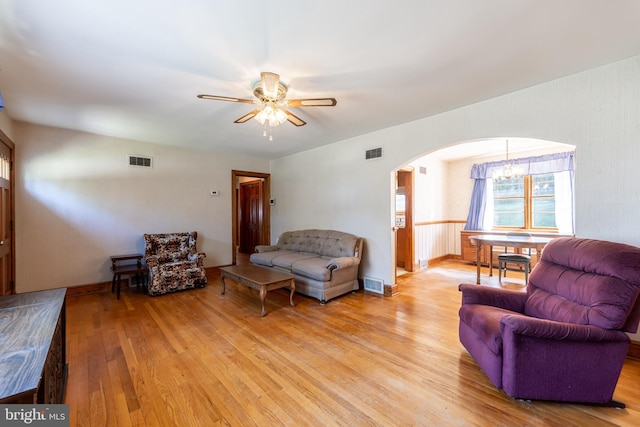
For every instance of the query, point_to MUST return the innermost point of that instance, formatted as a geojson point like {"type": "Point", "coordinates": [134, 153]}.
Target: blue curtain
{"type": "Point", "coordinates": [548, 163]}
{"type": "Point", "coordinates": [475, 219]}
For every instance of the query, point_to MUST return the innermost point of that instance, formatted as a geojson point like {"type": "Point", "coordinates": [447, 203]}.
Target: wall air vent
{"type": "Point", "coordinates": [374, 153]}
{"type": "Point", "coordinates": [139, 161]}
{"type": "Point", "coordinates": [374, 285]}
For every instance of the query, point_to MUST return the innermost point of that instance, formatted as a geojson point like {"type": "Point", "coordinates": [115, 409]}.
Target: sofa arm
{"type": "Point", "coordinates": [495, 297]}
{"type": "Point", "coordinates": [342, 262]}
{"type": "Point", "coordinates": [515, 324]}
{"type": "Point", "coordinates": [199, 258]}
{"type": "Point", "coordinates": [152, 260]}
{"type": "Point", "coordinates": [266, 248]}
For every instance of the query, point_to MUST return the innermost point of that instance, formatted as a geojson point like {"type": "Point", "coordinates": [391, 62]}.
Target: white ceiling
{"type": "Point", "coordinates": [132, 68]}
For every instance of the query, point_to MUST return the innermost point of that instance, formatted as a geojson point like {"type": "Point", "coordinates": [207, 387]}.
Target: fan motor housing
{"type": "Point", "coordinates": [258, 92]}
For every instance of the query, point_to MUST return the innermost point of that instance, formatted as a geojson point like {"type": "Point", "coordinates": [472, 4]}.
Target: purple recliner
{"type": "Point", "coordinates": [564, 339]}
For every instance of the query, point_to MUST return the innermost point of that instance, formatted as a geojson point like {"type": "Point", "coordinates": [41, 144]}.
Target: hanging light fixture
{"type": "Point", "coordinates": [271, 91]}
{"type": "Point", "coordinates": [509, 171]}
{"type": "Point", "coordinates": [270, 116]}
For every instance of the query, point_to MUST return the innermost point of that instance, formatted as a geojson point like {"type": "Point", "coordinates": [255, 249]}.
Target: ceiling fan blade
{"type": "Point", "coordinates": [247, 117]}
{"type": "Point", "coordinates": [294, 119]}
{"type": "Point", "coordinates": [316, 102]}
{"type": "Point", "coordinates": [226, 98]}
{"type": "Point", "coordinates": [270, 84]}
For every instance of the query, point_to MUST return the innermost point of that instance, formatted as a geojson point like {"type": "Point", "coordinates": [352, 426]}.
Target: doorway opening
{"type": "Point", "coordinates": [250, 212]}
{"type": "Point", "coordinates": [404, 221]}
{"type": "Point", "coordinates": [439, 193]}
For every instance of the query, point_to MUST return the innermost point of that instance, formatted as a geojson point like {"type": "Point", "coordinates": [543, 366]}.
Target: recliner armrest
{"type": "Point", "coordinates": [266, 248]}
{"type": "Point", "coordinates": [342, 262]}
{"type": "Point", "coordinates": [495, 297]}
{"type": "Point", "coordinates": [548, 329]}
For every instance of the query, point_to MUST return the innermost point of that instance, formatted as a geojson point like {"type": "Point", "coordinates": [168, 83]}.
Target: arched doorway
{"type": "Point", "coordinates": [442, 190]}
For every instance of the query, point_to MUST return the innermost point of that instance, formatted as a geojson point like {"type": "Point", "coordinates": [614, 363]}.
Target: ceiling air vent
{"type": "Point", "coordinates": [374, 153]}
{"type": "Point", "coordinates": [140, 161]}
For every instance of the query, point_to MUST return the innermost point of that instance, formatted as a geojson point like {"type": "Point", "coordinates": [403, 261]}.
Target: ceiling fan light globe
{"type": "Point", "coordinates": [280, 116]}
{"type": "Point", "coordinates": [262, 116]}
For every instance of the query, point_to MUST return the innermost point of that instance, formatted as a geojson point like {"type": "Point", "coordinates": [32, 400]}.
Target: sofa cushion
{"type": "Point", "coordinates": [266, 258]}
{"type": "Point", "coordinates": [286, 261]}
{"type": "Point", "coordinates": [327, 243]}
{"type": "Point", "coordinates": [313, 268]}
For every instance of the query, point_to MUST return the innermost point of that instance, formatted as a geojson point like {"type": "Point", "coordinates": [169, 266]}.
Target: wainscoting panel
{"type": "Point", "coordinates": [437, 239]}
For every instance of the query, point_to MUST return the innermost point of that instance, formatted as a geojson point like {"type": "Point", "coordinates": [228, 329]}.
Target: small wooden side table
{"type": "Point", "coordinates": [138, 270]}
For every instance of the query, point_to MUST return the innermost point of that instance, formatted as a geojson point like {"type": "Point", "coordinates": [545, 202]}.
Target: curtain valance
{"type": "Point", "coordinates": [547, 163]}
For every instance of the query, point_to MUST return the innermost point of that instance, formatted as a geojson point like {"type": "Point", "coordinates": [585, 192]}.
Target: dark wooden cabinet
{"type": "Point", "coordinates": [470, 251]}
{"type": "Point", "coordinates": [33, 363]}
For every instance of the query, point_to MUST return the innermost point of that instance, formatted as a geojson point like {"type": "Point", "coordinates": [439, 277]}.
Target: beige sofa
{"type": "Point", "coordinates": [324, 262]}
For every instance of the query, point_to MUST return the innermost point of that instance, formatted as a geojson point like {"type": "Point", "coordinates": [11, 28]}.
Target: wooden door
{"type": "Point", "coordinates": [7, 277]}
{"type": "Point", "coordinates": [404, 220]}
{"type": "Point", "coordinates": [250, 216]}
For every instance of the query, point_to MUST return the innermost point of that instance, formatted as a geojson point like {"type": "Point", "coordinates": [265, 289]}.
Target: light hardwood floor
{"type": "Point", "coordinates": [198, 358]}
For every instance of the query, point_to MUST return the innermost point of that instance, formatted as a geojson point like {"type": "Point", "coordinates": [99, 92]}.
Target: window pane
{"type": "Point", "coordinates": [545, 220]}
{"type": "Point", "coordinates": [509, 212]}
{"type": "Point", "coordinates": [508, 204]}
{"type": "Point", "coordinates": [513, 187]}
{"type": "Point", "coordinates": [544, 212]}
{"type": "Point", "coordinates": [509, 220]}
{"type": "Point", "coordinates": [543, 185]}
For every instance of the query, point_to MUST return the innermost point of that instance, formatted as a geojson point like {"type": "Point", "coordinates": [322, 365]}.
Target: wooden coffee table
{"type": "Point", "coordinates": [259, 278]}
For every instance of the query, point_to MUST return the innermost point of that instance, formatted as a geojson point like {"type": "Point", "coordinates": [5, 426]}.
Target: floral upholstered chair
{"type": "Point", "coordinates": [174, 264]}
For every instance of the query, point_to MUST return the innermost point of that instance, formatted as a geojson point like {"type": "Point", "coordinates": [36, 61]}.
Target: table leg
{"type": "Point", "coordinates": [263, 296]}
{"type": "Point", "coordinates": [293, 289]}
{"type": "Point", "coordinates": [224, 285]}
{"type": "Point", "coordinates": [478, 252]}
{"type": "Point", "coordinates": [490, 260]}
{"type": "Point", "coordinates": [118, 286]}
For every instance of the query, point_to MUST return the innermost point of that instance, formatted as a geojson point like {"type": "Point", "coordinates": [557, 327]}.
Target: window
{"type": "Point", "coordinates": [540, 201]}
{"type": "Point", "coordinates": [526, 202]}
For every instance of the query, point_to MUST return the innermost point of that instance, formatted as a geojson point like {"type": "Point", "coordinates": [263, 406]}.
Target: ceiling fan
{"type": "Point", "coordinates": [270, 92]}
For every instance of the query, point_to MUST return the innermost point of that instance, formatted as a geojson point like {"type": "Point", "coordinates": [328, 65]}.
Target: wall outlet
{"type": "Point", "coordinates": [214, 193]}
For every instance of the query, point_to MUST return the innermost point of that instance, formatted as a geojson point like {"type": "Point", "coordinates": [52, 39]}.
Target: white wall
{"type": "Point", "coordinates": [597, 111]}
{"type": "Point", "coordinates": [78, 202]}
{"type": "Point", "coordinates": [430, 192]}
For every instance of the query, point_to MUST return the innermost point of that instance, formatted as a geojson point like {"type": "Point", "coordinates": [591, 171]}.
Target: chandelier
{"type": "Point", "coordinates": [509, 171]}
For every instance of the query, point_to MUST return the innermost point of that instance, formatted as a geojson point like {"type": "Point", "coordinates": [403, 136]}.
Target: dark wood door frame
{"type": "Point", "coordinates": [405, 178]}
{"type": "Point", "coordinates": [266, 195]}
{"type": "Point", "coordinates": [8, 239]}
